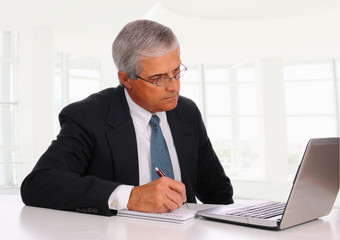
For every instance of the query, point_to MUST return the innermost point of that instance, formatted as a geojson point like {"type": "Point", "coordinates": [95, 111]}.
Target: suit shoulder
{"type": "Point", "coordinates": [186, 110]}
{"type": "Point", "coordinates": [186, 104]}
{"type": "Point", "coordinates": [92, 108]}
{"type": "Point", "coordinates": [95, 101]}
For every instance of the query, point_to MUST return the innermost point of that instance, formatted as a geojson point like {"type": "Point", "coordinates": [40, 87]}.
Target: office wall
{"type": "Point", "coordinates": [216, 40]}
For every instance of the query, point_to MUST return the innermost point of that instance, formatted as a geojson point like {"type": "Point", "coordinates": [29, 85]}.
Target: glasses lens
{"type": "Point", "coordinates": [181, 73]}
{"type": "Point", "coordinates": [163, 82]}
{"type": "Point", "coordinates": [166, 81]}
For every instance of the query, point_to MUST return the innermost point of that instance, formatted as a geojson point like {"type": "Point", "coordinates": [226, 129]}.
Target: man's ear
{"type": "Point", "coordinates": [124, 79]}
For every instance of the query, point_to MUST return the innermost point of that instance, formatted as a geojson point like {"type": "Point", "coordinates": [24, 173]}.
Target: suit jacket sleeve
{"type": "Point", "coordinates": [76, 173]}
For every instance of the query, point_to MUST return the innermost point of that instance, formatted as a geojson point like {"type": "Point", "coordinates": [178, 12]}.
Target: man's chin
{"type": "Point", "coordinates": [170, 106]}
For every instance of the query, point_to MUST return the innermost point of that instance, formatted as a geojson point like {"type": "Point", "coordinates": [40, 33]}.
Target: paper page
{"type": "Point", "coordinates": [178, 216]}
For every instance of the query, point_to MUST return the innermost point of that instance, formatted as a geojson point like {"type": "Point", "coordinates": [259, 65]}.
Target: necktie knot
{"type": "Point", "coordinates": [154, 121]}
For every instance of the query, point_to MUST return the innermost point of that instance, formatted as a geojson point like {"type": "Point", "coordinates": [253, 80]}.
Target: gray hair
{"type": "Point", "coordinates": [141, 39]}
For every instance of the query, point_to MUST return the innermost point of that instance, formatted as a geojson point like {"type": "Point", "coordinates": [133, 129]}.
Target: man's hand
{"type": "Point", "coordinates": [161, 195]}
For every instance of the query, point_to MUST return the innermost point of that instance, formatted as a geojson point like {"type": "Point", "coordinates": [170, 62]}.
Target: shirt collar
{"type": "Point", "coordinates": [140, 116]}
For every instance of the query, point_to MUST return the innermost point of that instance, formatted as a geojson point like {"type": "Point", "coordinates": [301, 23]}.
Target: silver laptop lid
{"type": "Point", "coordinates": [316, 184]}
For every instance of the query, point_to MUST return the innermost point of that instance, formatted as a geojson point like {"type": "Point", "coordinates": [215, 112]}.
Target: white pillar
{"type": "Point", "coordinates": [272, 110]}
{"type": "Point", "coordinates": [35, 95]}
{"type": "Point", "coordinates": [42, 89]}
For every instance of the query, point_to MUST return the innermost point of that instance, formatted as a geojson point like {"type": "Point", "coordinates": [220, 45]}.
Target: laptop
{"type": "Point", "coordinates": [313, 193]}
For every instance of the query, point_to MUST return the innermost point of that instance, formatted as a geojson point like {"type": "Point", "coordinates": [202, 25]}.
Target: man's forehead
{"type": "Point", "coordinates": [162, 64]}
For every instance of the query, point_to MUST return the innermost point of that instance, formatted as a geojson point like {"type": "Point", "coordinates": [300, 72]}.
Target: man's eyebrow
{"type": "Point", "coordinates": [157, 75]}
{"type": "Point", "coordinates": [162, 74]}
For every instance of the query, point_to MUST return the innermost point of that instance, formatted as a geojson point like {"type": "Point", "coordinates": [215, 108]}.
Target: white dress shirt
{"type": "Point", "coordinates": [141, 117]}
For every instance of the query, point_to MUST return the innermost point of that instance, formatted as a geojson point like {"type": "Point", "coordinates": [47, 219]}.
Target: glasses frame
{"type": "Point", "coordinates": [176, 76]}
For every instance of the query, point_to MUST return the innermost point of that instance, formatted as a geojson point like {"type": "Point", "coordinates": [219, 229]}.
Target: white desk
{"type": "Point", "coordinates": [22, 222]}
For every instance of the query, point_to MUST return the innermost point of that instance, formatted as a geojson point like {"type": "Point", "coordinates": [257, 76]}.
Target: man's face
{"type": "Point", "coordinates": [149, 96]}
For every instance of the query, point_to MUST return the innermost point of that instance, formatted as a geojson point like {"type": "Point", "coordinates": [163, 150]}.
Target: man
{"type": "Point", "coordinates": [101, 161]}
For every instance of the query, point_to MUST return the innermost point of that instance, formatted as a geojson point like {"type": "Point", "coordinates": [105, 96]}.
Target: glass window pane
{"type": "Point", "coordinates": [308, 71]}
{"type": "Point", "coordinates": [310, 97]}
{"type": "Point", "coordinates": [296, 149]}
{"type": "Point", "coordinates": [246, 74]}
{"type": "Point", "coordinates": [1, 43]}
{"type": "Point", "coordinates": [191, 86]}
{"type": "Point", "coordinates": [58, 92]}
{"type": "Point", "coordinates": [57, 63]}
{"type": "Point", "coordinates": [5, 174]}
{"type": "Point", "coordinates": [8, 112]}
{"type": "Point", "coordinates": [301, 129]}
{"type": "Point", "coordinates": [247, 99]}
{"type": "Point", "coordinates": [249, 129]}
{"type": "Point", "coordinates": [219, 128]}
{"type": "Point", "coordinates": [249, 148]}
{"type": "Point", "coordinates": [7, 143]}
{"type": "Point", "coordinates": [194, 92]}
{"type": "Point", "coordinates": [219, 131]}
{"type": "Point", "coordinates": [6, 82]}
{"type": "Point", "coordinates": [338, 82]}
{"type": "Point", "coordinates": [80, 88]}
{"type": "Point", "coordinates": [7, 124]}
{"type": "Point", "coordinates": [11, 174]}
{"type": "Point", "coordinates": [216, 75]}
{"type": "Point", "coordinates": [191, 75]}
{"type": "Point", "coordinates": [6, 47]}
{"type": "Point", "coordinates": [58, 100]}
{"type": "Point", "coordinates": [217, 99]}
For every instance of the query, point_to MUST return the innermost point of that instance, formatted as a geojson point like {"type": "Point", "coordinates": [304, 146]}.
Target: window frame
{"type": "Point", "coordinates": [11, 162]}
{"type": "Point", "coordinates": [65, 74]}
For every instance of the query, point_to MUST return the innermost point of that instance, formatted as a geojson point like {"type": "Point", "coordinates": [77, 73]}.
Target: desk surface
{"type": "Point", "coordinates": [18, 221]}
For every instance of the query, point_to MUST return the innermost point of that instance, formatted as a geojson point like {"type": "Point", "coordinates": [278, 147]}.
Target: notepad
{"type": "Point", "coordinates": [176, 216]}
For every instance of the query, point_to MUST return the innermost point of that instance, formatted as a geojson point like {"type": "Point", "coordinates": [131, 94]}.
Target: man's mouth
{"type": "Point", "coordinates": [171, 97]}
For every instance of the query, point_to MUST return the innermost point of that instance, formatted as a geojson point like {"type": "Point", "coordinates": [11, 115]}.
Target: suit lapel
{"type": "Point", "coordinates": [123, 143]}
{"type": "Point", "coordinates": [122, 140]}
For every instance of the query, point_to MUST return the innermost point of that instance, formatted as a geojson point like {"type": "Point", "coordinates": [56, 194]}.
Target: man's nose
{"type": "Point", "coordinates": [174, 84]}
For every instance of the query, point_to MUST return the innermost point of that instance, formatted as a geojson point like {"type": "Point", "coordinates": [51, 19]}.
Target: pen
{"type": "Point", "coordinates": [161, 174]}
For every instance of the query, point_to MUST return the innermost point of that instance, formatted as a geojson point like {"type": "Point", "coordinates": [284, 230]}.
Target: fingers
{"type": "Point", "coordinates": [161, 195]}
{"type": "Point", "coordinates": [176, 193]}
{"type": "Point", "coordinates": [178, 187]}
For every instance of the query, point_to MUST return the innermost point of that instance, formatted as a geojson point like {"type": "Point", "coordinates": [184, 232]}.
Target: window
{"type": "Point", "coordinates": [227, 98]}
{"type": "Point", "coordinates": [192, 86]}
{"type": "Point", "coordinates": [260, 116]}
{"type": "Point", "coordinates": [9, 164]}
{"type": "Point", "coordinates": [75, 78]}
{"type": "Point", "coordinates": [311, 105]}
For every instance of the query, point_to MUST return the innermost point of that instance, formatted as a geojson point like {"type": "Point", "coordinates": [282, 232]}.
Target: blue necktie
{"type": "Point", "coordinates": [159, 151]}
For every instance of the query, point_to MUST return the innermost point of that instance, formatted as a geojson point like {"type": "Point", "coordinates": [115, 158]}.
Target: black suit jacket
{"type": "Point", "coordinates": [96, 151]}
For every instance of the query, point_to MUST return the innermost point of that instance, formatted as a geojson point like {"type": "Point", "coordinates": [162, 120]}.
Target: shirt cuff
{"type": "Point", "coordinates": [119, 198]}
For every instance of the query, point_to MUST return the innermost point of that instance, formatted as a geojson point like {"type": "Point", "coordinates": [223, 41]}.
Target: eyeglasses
{"type": "Point", "coordinates": [162, 81]}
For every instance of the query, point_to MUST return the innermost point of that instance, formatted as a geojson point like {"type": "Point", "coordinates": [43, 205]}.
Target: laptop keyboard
{"type": "Point", "coordinates": [263, 211]}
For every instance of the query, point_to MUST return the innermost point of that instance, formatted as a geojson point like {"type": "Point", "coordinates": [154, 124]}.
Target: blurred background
{"type": "Point", "coordinates": [265, 75]}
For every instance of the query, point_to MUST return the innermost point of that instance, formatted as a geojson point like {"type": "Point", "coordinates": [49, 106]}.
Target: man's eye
{"type": "Point", "coordinates": [157, 78]}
